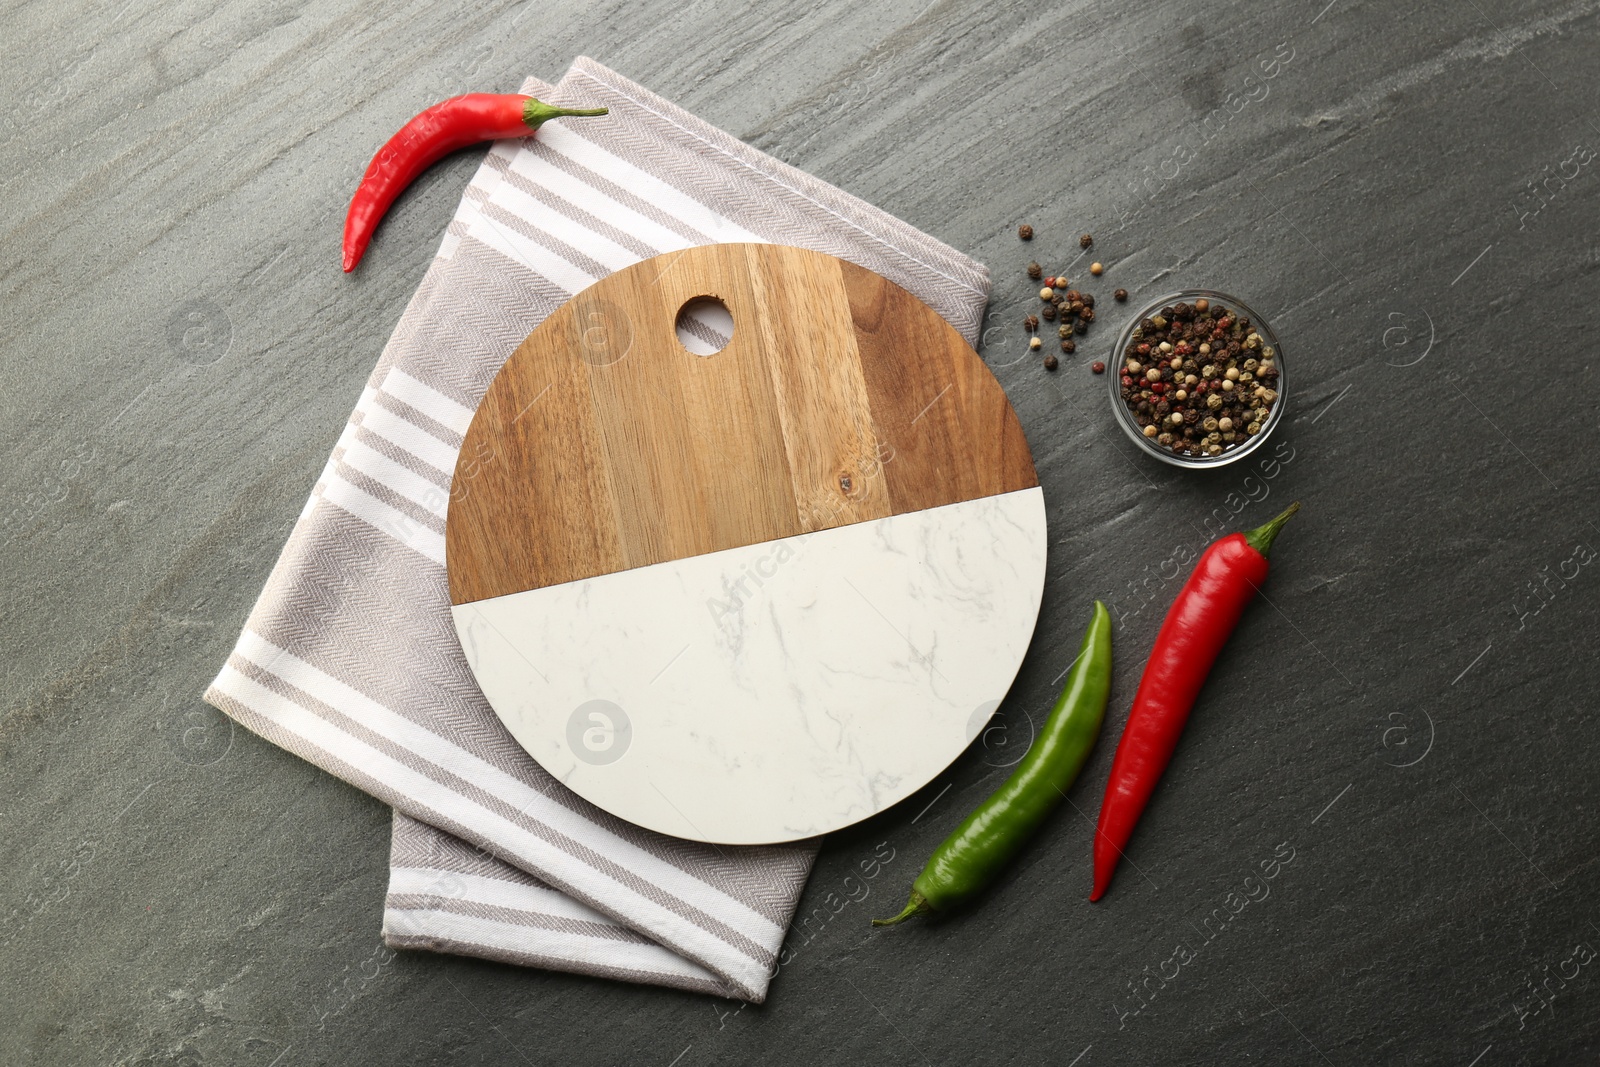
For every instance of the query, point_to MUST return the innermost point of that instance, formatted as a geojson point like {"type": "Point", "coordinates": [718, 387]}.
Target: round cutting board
{"type": "Point", "coordinates": [751, 596]}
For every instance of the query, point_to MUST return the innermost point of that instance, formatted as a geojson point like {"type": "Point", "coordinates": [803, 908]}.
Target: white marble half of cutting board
{"type": "Point", "coordinates": [777, 690]}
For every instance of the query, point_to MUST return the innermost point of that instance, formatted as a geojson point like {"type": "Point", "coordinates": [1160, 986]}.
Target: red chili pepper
{"type": "Point", "coordinates": [1196, 627]}
{"type": "Point", "coordinates": [438, 131]}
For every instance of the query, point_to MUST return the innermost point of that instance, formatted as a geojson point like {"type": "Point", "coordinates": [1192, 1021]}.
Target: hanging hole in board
{"type": "Point", "coordinates": [705, 326]}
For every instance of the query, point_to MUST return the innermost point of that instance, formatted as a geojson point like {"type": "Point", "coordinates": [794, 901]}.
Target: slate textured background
{"type": "Point", "coordinates": [1411, 199]}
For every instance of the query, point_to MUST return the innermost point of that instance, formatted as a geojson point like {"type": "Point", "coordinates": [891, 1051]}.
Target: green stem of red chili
{"type": "Point", "coordinates": [441, 129]}
{"type": "Point", "coordinates": [1261, 537]}
{"type": "Point", "coordinates": [1199, 623]}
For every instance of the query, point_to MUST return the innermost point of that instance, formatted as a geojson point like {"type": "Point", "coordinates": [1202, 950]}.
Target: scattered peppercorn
{"type": "Point", "coordinates": [1035, 344]}
{"type": "Point", "coordinates": [1074, 309]}
{"type": "Point", "coordinates": [1121, 296]}
{"type": "Point", "coordinates": [1212, 385]}
{"type": "Point", "coordinates": [1097, 367]}
{"type": "Point", "coordinates": [1051, 362]}
{"type": "Point", "coordinates": [1096, 269]}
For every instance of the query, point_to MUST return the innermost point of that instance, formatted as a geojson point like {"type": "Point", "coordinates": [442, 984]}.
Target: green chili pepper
{"type": "Point", "coordinates": [986, 841]}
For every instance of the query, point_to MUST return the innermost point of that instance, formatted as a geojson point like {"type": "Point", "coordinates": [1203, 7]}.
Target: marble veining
{"type": "Point", "coordinates": [775, 691]}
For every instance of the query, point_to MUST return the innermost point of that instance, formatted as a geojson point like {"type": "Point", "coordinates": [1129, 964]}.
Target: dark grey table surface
{"type": "Point", "coordinates": [1409, 193]}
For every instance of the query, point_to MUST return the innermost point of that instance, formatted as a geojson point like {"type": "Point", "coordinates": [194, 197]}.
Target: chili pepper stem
{"type": "Point", "coordinates": [917, 905]}
{"type": "Point", "coordinates": [536, 112]}
{"type": "Point", "coordinates": [1261, 537]}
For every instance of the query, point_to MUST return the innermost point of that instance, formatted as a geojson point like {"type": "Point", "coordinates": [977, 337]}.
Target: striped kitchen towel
{"type": "Point", "coordinates": [349, 658]}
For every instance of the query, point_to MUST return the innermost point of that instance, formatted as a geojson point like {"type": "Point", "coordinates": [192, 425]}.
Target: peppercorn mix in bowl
{"type": "Point", "coordinates": [1199, 379]}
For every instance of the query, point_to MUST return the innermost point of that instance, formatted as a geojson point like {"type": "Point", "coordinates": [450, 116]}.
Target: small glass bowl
{"type": "Point", "coordinates": [1124, 416]}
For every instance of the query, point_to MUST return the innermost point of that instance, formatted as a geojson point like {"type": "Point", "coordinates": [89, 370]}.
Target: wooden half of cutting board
{"type": "Point", "coordinates": [604, 445]}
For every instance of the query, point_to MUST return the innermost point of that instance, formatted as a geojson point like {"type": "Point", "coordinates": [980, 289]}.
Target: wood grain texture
{"type": "Point", "coordinates": [603, 444]}
{"type": "Point", "coordinates": [947, 432]}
